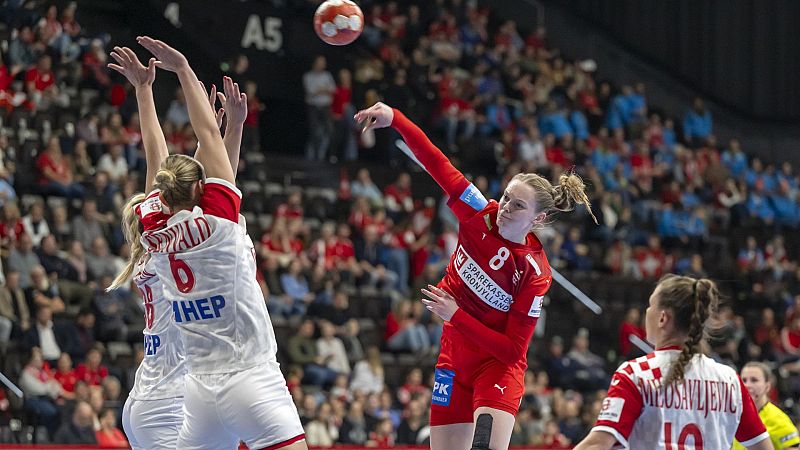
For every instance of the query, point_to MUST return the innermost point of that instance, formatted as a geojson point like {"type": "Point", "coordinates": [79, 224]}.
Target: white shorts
{"type": "Point", "coordinates": [152, 424]}
{"type": "Point", "coordinates": [253, 405]}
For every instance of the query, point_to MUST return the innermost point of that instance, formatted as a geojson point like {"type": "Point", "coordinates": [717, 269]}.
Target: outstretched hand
{"type": "Point", "coordinates": [167, 57]}
{"type": "Point", "coordinates": [212, 101]}
{"type": "Point", "coordinates": [130, 66]}
{"type": "Point", "coordinates": [441, 302]}
{"type": "Point", "coordinates": [233, 101]}
{"type": "Point", "coordinates": [379, 115]}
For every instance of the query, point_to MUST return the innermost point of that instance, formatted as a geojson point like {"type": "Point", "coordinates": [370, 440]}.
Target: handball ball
{"type": "Point", "coordinates": [338, 22]}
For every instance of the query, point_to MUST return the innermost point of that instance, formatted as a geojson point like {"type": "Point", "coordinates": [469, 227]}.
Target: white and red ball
{"type": "Point", "coordinates": [338, 22]}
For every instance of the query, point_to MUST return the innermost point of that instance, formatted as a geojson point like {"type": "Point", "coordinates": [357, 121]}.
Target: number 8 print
{"type": "Point", "coordinates": [499, 259]}
{"type": "Point", "coordinates": [181, 270]}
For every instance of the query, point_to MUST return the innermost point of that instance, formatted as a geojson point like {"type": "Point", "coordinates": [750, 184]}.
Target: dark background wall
{"type": "Point", "coordinates": [742, 53]}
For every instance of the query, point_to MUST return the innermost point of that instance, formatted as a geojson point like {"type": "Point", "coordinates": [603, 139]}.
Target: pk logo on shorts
{"type": "Point", "coordinates": [442, 387]}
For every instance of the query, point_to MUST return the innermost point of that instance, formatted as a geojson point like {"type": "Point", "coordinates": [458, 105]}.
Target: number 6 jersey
{"type": "Point", "coordinates": [206, 262]}
{"type": "Point", "coordinates": [706, 409]}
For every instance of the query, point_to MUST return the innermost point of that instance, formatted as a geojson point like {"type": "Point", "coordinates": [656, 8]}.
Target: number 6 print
{"type": "Point", "coordinates": [182, 273]}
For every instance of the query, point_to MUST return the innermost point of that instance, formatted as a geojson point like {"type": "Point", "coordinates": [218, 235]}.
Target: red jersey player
{"type": "Point", "coordinates": [491, 295]}
{"type": "Point", "coordinates": [675, 395]}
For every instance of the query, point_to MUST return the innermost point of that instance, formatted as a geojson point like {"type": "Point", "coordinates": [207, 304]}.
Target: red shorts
{"type": "Point", "coordinates": [467, 378]}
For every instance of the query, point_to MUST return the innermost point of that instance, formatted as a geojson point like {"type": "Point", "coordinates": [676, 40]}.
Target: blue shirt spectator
{"type": "Point", "coordinates": [734, 159]}
{"type": "Point", "coordinates": [697, 122]}
{"type": "Point", "coordinates": [580, 125]}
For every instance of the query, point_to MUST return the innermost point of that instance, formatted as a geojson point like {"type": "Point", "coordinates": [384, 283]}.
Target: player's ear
{"type": "Point", "coordinates": [538, 219]}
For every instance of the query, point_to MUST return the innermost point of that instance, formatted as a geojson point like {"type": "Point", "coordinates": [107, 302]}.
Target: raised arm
{"type": "Point", "coordinates": [426, 154]}
{"type": "Point", "coordinates": [234, 103]}
{"type": "Point", "coordinates": [213, 158]}
{"type": "Point", "coordinates": [141, 77]}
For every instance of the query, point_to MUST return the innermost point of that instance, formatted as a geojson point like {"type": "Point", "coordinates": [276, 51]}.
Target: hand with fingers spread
{"type": "Point", "coordinates": [379, 115]}
{"type": "Point", "coordinates": [129, 66]}
{"type": "Point", "coordinates": [167, 57]}
{"type": "Point", "coordinates": [441, 302]}
{"type": "Point", "coordinates": [212, 100]}
{"type": "Point", "coordinates": [233, 101]}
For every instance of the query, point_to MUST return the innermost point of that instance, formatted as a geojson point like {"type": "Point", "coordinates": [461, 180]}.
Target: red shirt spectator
{"type": "Point", "coordinates": [630, 327]}
{"type": "Point", "coordinates": [40, 79]}
{"type": "Point", "coordinates": [52, 166]}
{"type": "Point", "coordinates": [92, 372]}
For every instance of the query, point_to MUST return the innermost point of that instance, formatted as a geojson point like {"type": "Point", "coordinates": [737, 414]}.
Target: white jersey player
{"type": "Point", "coordinates": [234, 388]}
{"type": "Point", "coordinates": [676, 397]}
{"type": "Point", "coordinates": [153, 412]}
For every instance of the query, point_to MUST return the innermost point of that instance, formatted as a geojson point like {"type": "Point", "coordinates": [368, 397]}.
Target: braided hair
{"type": "Point", "coordinates": [692, 301]}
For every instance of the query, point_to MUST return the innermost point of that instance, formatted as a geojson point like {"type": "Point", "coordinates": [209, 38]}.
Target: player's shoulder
{"type": "Point", "coordinates": [484, 219]}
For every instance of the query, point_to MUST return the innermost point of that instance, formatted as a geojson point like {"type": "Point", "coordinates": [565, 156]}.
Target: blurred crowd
{"type": "Point", "coordinates": [341, 273]}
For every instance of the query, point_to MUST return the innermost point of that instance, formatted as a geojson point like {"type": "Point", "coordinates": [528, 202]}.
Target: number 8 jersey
{"type": "Point", "coordinates": [160, 375]}
{"type": "Point", "coordinates": [206, 262]}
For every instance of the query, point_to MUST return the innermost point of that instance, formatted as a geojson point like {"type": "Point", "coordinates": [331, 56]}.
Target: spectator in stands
{"type": "Point", "coordinates": [319, 88]}
{"type": "Point", "coordinates": [178, 114]}
{"type": "Point", "coordinates": [322, 431]}
{"type": "Point", "coordinates": [403, 332]}
{"type": "Point", "coordinates": [55, 175]}
{"type": "Point", "coordinates": [331, 349]}
{"type": "Point", "coordinates": [24, 50]}
{"type": "Point", "coordinates": [65, 375]}
{"type": "Point", "coordinates": [251, 139]}
{"type": "Point", "coordinates": [363, 186]}
{"type": "Point", "coordinates": [398, 200]}
{"type": "Point", "coordinates": [100, 261]}
{"type": "Point", "coordinates": [88, 226]}
{"type": "Point", "coordinates": [119, 317]}
{"type": "Point", "coordinates": [41, 87]}
{"type": "Point", "coordinates": [14, 311]}
{"type": "Point", "coordinates": [790, 339]}
{"type": "Point", "coordinates": [295, 286]}
{"type": "Point", "coordinates": [356, 426]}
{"type": "Point", "coordinates": [302, 350]}
{"type": "Point", "coordinates": [349, 335]}
{"type": "Point", "coordinates": [631, 326]}
{"type": "Point", "coordinates": [113, 163]}
{"type": "Point", "coordinates": [35, 224]}
{"type": "Point", "coordinates": [41, 390]}
{"type": "Point", "coordinates": [79, 429]}
{"type": "Point", "coordinates": [43, 291]}
{"type": "Point", "coordinates": [590, 368]}
{"type": "Point", "coordinates": [697, 124]}
{"type": "Point", "coordinates": [414, 421]}
{"type": "Point", "coordinates": [368, 374]}
{"type": "Point", "coordinates": [92, 372]}
{"type": "Point", "coordinates": [109, 435]}
{"type": "Point", "coordinates": [371, 255]}
{"type": "Point", "coordinates": [49, 337]}
{"type": "Point", "coordinates": [12, 226]}
{"type": "Point", "coordinates": [412, 388]}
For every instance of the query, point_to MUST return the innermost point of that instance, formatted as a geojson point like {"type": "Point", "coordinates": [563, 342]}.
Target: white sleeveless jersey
{"type": "Point", "coordinates": [206, 262]}
{"type": "Point", "coordinates": [161, 373]}
{"type": "Point", "coordinates": [706, 410]}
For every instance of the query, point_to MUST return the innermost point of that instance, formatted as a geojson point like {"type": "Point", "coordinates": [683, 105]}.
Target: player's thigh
{"type": "Point", "coordinates": [202, 428]}
{"type": "Point", "coordinates": [456, 436]}
{"type": "Point", "coordinates": [502, 426]}
{"type": "Point", "coordinates": [257, 407]}
{"type": "Point", "coordinates": [127, 427]}
{"type": "Point", "coordinates": [156, 423]}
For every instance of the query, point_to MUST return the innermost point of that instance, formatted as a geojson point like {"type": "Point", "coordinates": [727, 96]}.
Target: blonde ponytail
{"type": "Point", "coordinates": [131, 226]}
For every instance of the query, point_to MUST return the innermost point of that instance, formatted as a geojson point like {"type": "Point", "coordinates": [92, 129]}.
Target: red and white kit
{"type": "Point", "coordinates": [234, 387]}
{"type": "Point", "coordinates": [499, 286]}
{"type": "Point", "coordinates": [707, 409]}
